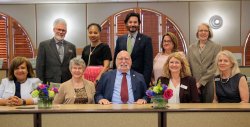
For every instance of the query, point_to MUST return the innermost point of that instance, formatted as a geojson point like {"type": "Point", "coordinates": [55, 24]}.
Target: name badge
{"type": "Point", "coordinates": [183, 87]}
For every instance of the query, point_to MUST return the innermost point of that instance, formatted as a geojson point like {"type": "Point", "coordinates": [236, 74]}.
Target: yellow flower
{"type": "Point", "coordinates": [51, 93]}
{"type": "Point", "coordinates": [35, 93]}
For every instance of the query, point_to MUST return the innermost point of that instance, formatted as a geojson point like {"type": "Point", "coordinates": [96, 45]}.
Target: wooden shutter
{"type": "Point", "coordinates": [247, 51]}
{"type": "Point", "coordinates": [3, 40]}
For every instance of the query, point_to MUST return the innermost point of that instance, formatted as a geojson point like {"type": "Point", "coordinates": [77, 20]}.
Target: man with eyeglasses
{"type": "Point", "coordinates": [121, 85]}
{"type": "Point", "coordinates": [52, 64]}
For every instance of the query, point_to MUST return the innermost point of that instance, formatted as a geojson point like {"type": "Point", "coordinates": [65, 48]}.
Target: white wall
{"type": "Point", "coordinates": [229, 33]}
{"type": "Point", "coordinates": [74, 14]}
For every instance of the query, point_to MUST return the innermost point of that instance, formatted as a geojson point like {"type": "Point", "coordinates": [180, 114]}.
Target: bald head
{"type": "Point", "coordinates": [123, 61]}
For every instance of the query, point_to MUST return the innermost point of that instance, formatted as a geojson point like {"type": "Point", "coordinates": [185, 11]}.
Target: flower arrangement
{"type": "Point", "coordinates": [160, 89]}
{"type": "Point", "coordinates": [43, 90]}
{"type": "Point", "coordinates": [45, 95]}
{"type": "Point", "coordinates": [159, 94]}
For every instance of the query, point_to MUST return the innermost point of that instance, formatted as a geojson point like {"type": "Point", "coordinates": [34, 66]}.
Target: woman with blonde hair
{"type": "Point", "coordinates": [177, 75]}
{"type": "Point", "coordinates": [169, 44]}
{"type": "Point", "coordinates": [230, 85]}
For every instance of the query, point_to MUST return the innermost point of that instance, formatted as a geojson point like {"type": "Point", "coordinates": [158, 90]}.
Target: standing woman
{"type": "Point", "coordinates": [177, 76]}
{"type": "Point", "coordinates": [201, 56]}
{"type": "Point", "coordinates": [230, 85]}
{"type": "Point", "coordinates": [97, 55]}
{"type": "Point", "coordinates": [16, 89]}
{"type": "Point", "coordinates": [169, 44]}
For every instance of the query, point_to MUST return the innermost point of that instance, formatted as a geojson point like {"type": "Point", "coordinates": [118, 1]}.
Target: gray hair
{"type": "Point", "coordinates": [230, 56]}
{"type": "Point", "coordinates": [59, 20]}
{"type": "Point", "coordinates": [77, 61]}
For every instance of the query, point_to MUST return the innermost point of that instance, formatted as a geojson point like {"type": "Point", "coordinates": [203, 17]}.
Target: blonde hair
{"type": "Point", "coordinates": [230, 56]}
{"type": "Point", "coordinates": [185, 70]}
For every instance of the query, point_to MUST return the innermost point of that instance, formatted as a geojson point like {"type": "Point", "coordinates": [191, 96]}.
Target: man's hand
{"type": "Point", "coordinates": [104, 102]}
{"type": "Point", "coordinates": [141, 101]}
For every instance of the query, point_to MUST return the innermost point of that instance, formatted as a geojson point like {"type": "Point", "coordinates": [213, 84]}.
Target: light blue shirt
{"type": "Point", "coordinates": [116, 98]}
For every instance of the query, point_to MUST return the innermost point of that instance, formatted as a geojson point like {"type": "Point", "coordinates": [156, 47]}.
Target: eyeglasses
{"type": "Point", "coordinates": [168, 41]}
{"type": "Point", "coordinates": [61, 30]}
{"type": "Point", "coordinates": [123, 58]}
{"type": "Point", "coordinates": [203, 31]}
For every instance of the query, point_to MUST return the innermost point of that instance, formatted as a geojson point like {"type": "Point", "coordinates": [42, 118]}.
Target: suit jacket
{"type": "Point", "coordinates": [49, 68]}
{"type": "Point", "coordinates": [105, 86]}
{"type": "Point", "coordinates": [66, 93]}
{"type": "Point", "coordinates": [189, 95]}
{"type": "Point", "coordinates": [202, 67]}
{"type": "Point", "coordinates": [142, 54]}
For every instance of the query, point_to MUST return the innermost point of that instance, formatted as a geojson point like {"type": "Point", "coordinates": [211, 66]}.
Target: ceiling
{"type": "Point", "coordinates": [84, 1]}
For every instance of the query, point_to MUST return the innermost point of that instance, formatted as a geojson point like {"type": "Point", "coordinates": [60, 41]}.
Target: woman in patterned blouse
{"type": "Point", "coordinates": [77, 90]}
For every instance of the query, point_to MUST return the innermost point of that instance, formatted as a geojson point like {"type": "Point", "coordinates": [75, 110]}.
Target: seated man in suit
{"type": "Point", "coordinates": [122, 85]}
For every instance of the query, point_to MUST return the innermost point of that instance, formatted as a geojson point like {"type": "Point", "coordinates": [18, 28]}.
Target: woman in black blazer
{"type": "Point", "coordinates": [177, 76]}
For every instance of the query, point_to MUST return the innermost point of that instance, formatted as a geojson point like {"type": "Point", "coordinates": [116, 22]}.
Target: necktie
{"type": "Point", "coordinates": [124, 89]}
{"type": "Point", "coordinates": [60, 50]}
{"type": "Point", "coordinates": [129, 44]}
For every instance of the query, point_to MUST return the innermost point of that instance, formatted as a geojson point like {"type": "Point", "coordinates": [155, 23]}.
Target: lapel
{"type": "Point", "coordinates": [137, 42]}
{"type": "Point", "coordinates": [111, 83]}
{"type": "Point", "coordinates": [54, 49]}
{"type": "Point", "coordinates": [196, 52]}
{"type": "Point", "coordinates": [133, 80]}
{"type": "Point", "coordinates": [66, 49]}
{"type": "Point", "coordinates": [206, 51]}
{"type": "Point", "coordinates": [181, 89]}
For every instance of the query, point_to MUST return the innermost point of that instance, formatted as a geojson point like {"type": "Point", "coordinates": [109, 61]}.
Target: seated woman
{"type": "Point", "coordinates": [230, 85]}
{"type": "Point", "coordinates": [16, 89]}
{"type": "Point", "coordinates": [77, 90]}
{"type": "Point", "coordinates": [177, 75]}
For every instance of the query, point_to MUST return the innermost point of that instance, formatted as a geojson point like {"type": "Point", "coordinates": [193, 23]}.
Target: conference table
{"type": "Point", "coordinates": [127, 115]}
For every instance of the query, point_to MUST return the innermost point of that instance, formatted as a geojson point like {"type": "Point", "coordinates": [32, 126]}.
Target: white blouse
{"type": "Point", "coordinates": [176, 90]}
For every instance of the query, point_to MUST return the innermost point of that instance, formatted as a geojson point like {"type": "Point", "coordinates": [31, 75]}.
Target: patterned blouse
{"type": "Point", "coordinates": [81, 96]}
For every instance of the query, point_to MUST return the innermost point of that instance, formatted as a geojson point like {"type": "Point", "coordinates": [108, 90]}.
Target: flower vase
{"type": "Point", "coordinates": [159, 102]}
{"type": "Point", "coordinates": [45, 102]}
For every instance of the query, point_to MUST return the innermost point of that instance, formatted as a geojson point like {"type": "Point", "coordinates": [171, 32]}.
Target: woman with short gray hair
{"type": "Point", "coordinates": [77, 90]}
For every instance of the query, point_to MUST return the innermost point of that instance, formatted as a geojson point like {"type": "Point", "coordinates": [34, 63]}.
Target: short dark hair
{"type": "Point", "coordinates": [97, 25]}
{"type": "Point", "coordinates": [131, 15]}
{"type": "Point", "coordinates": [17, 61]}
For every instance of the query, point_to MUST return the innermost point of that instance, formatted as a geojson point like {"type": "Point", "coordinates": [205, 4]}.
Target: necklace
{"type": "Point", "coordinates": [225, 80]}
{"type": "Point", "coordinates": [90, 53]}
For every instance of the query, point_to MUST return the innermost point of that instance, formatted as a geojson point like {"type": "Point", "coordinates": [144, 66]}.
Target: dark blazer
{"type": "Point", "coordinates": [189, 95]}
{"type": "Point", "coordinates": [142, 54]}
{"type": "Point", "coordinates": [48, 65]}
{"type": "Point", "coordinates": [105, 86]}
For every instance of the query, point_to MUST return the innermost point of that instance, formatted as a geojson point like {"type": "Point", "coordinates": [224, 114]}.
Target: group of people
{"type": "Point", "coordinates": [206, 74]}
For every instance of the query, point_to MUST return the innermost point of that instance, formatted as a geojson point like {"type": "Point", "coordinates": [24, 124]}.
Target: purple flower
{"type": "Point", "coordinates": [150, 93]}
{"type": "Point", "coordinates": [54, 89]}
{"type": "Point", "coordinates": [164, 86]}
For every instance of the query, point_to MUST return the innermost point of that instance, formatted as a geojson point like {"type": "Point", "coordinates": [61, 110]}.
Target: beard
{"type": "Point", "coordinates": [59, 38]}
{"type": "Point", "coordinates": [132, 29]}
